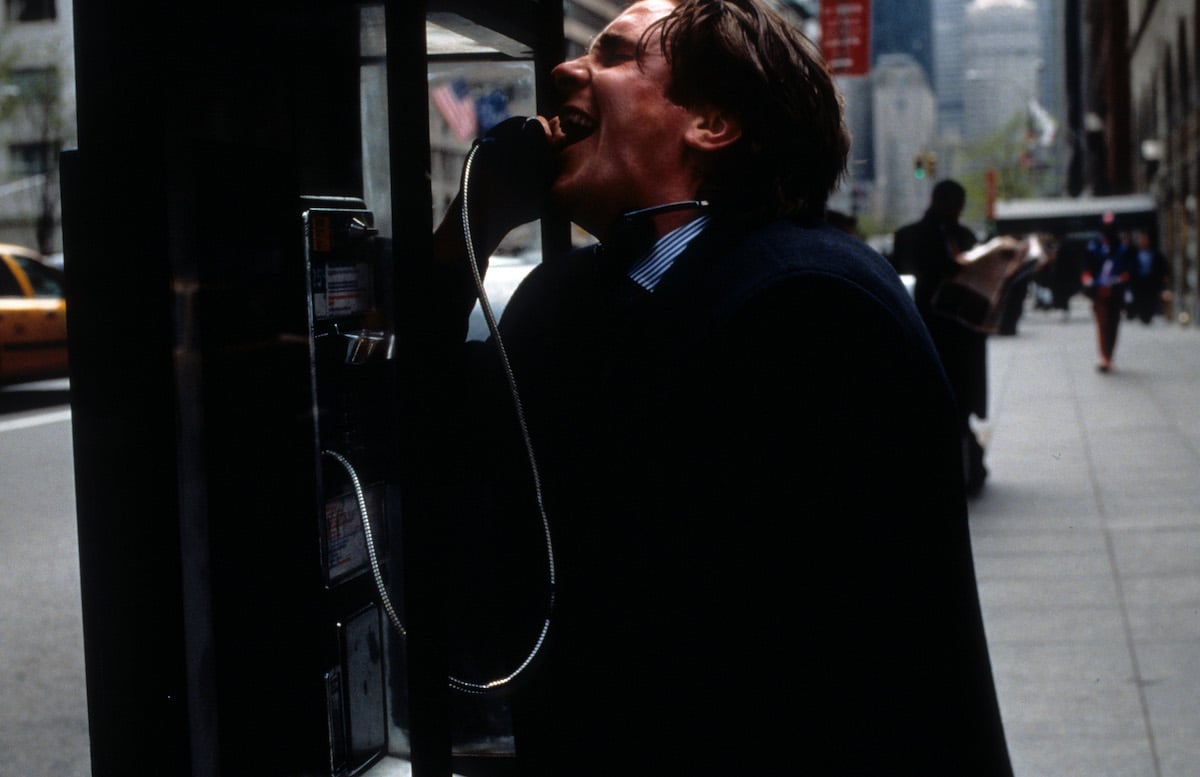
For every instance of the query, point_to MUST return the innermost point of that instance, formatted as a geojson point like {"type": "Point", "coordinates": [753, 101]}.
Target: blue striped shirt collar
{"type": "Point", "coordinates": [648, 271]}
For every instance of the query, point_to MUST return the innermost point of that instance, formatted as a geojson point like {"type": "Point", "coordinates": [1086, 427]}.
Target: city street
{"type": "Point", "coordinates": [213, 177]}
{"type": "Point", "coordinates": [1087, 546]}
{"type": "Point", "coordinates": [43, 701]}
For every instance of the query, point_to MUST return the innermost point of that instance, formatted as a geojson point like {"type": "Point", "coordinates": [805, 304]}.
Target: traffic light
{"type": "Point", "coordinates": [919, 167]}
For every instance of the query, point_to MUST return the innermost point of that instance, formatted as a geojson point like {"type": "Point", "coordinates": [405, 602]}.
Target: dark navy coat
{"type": "Point", "coordinates": [753, 480]}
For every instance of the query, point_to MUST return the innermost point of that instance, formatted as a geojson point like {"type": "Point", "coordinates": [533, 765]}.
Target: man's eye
{"type": "Point", "coordinates": [611, 51]}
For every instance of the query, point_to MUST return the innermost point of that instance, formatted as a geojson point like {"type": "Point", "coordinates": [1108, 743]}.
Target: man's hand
{"type": "Point", "coordinates": [508, 180]}
{"type": "Point", "coordinates": [508, 185]}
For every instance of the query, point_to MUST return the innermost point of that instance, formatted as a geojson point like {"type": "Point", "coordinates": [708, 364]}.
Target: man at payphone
{"type": "Point", "coordinates": [745, 448]}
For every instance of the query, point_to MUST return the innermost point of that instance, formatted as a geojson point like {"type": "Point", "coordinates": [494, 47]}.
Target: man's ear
{"type": "Point", "coordinates": [712, 130]}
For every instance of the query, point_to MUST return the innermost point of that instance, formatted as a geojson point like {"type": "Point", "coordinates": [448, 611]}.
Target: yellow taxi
{"type": "Point", "coordinates": [33, 317]}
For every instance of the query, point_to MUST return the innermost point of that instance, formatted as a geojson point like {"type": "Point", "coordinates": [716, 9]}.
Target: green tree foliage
{"type": "Point", "coordinates": [1009, 153]}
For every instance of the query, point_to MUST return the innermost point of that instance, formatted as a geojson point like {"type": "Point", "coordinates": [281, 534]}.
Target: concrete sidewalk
{"type": "Point", "coordinates": [1087, 548]}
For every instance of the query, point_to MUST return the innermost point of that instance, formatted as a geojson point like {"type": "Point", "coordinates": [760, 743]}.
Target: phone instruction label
{"type": "Point", "coordinates": [346, 543]}
{"type": "Point", "coordinates": [340, 290]}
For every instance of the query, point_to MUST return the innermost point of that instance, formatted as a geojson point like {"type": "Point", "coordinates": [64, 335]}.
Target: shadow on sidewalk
{"type": "Point", "coordinates": [23, 397]}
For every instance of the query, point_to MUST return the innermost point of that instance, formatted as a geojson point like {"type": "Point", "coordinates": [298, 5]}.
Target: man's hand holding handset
{"type": "Point", "coordinates": [511, 169]}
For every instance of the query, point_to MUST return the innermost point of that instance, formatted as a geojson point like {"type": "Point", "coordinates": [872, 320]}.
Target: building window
{"type": "Point", "coordinates": [30, 10]}
{"type": "Point", "coordinates": [26, 159]}
{"type": "Point", "coordinates": [34, 84]}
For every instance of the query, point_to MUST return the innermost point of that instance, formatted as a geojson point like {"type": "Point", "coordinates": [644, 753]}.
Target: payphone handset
{"type": "Point", "coordinates": [518, 157]}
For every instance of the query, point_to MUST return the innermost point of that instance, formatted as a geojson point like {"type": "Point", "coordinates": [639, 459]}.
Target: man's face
{"type": "Point", "coordinates": [620, 139]}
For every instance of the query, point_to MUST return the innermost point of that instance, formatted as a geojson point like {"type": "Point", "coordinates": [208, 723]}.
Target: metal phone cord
{"type": "Point", "coordinates": [459, 684]}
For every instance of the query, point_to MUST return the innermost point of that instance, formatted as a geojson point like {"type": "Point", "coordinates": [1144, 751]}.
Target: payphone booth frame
{"type": "Point", "coordinates": [191, 375]}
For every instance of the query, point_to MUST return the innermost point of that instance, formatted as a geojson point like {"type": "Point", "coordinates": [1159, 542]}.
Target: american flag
{"type": "Point", "coordinates": [453, 101]}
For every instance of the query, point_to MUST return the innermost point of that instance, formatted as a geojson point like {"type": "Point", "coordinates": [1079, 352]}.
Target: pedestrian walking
{"type": "Point", "coordinates": [1105, 277]}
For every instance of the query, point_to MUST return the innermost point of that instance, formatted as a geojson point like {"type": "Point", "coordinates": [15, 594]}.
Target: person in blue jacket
{"type": "Point", "coordinates": [1105, 279]}
{"type": "Point", "coordinates": [747, 450]}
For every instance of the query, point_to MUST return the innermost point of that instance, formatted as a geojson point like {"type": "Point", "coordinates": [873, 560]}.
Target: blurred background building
{"type": "Point", "coordinates": [1069, 98]}
{"type": "Point", "coordinates": [1002, 58]}
{"type": "Point", "coordinates": [948, 19]}
{"type": "Point", "coordinates": [995, 70]}
{"type": "Point", "coordinates": [1141, 120]}
{"type": "Point", "coordinates": [37, 118]}
{"type": "Point", "coordinates": [905, 112]}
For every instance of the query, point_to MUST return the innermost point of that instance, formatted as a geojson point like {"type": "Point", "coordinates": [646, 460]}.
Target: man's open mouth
{"type": "Point", "coordinates": [573, 126]}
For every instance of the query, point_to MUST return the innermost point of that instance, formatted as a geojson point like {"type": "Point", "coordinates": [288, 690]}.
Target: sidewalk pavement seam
{"type": "Point", "coordinates": [1122, 603]}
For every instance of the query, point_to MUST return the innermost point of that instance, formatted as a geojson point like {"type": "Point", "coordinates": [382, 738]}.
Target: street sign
{"type": "Point", "coordinates": [846, 36]}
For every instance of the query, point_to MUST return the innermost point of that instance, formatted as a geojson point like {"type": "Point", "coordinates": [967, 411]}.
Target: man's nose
{"type": "Point", "coordinates": [570, 75]}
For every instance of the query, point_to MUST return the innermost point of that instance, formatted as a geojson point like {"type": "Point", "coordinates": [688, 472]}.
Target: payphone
{"type": "Point", "coordinates": [353, 346]}
{"type": "Point", "coordinates": [352, 393]}
{"type": "Point", "coordinates": [233, 395]}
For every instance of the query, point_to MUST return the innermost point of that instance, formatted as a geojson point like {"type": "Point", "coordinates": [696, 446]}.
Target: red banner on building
{"type": "Point", "coordinates": [846, 36]}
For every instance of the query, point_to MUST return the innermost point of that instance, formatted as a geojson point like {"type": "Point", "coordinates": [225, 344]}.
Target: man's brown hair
{"type": "Point", "coordinates": [740, 56]}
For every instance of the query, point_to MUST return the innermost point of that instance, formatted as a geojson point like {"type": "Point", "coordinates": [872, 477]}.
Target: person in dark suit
{"type": "Point", "coordinates": [932, 247]}
{"type": "Point", "coordinates": [759, 563]}
{"type": "Point", "coordinates": [1148, 271]}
